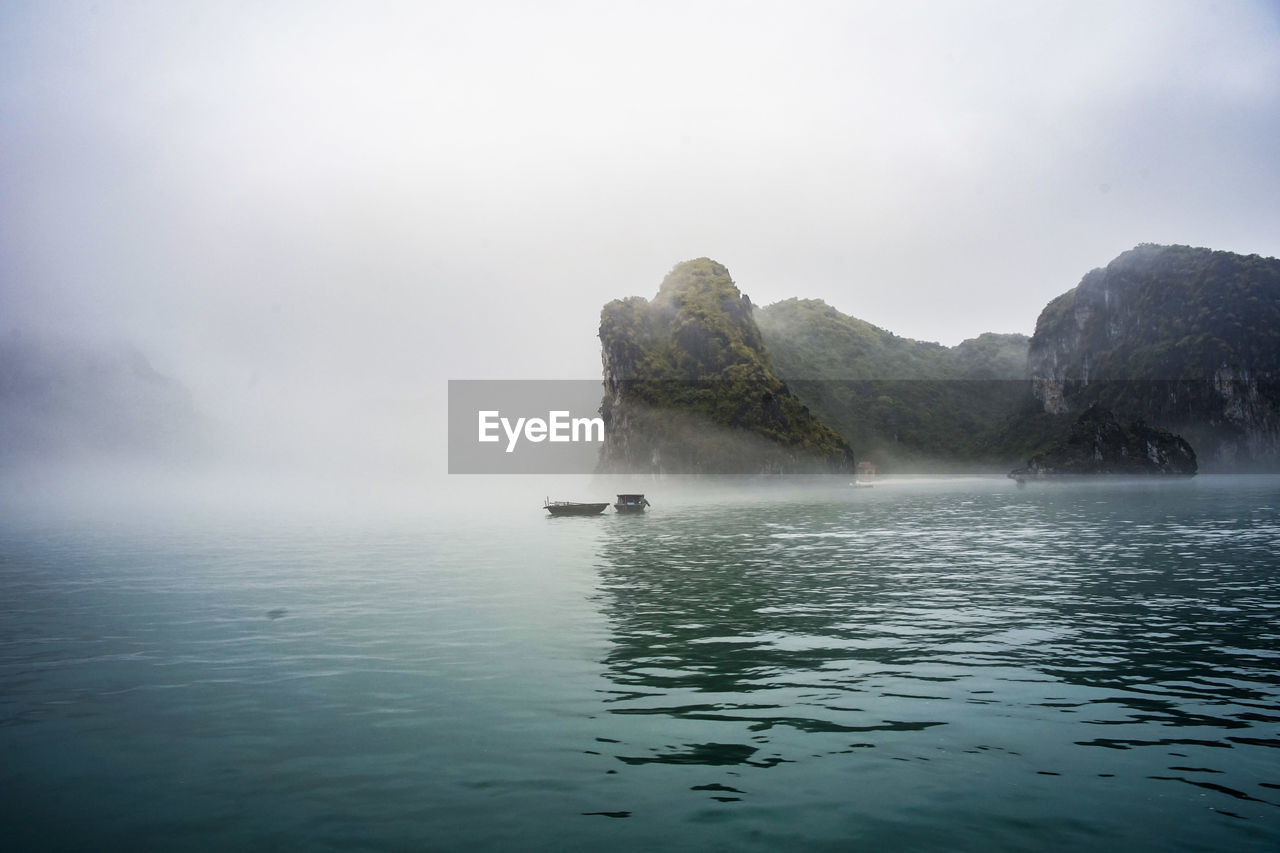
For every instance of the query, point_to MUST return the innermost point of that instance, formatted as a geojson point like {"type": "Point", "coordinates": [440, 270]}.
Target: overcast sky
{"type": "Point", "coordinates": [314, 201]}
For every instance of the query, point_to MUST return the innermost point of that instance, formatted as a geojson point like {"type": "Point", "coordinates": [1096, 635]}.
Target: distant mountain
{"type": "Point", "coordinates": [901, 403]}
{"type": "Point", "coordinates": [62, 398]}
{"type": "Point", "coordinates": [1186, 338]}
{"type": "Point", "coordinates": [689, 387]}
{"type": "Point", "coordinates": [808, 339]}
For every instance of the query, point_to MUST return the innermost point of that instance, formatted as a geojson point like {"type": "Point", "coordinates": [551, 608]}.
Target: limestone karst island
{"type": "Point", "coordinates": [1167, 360]}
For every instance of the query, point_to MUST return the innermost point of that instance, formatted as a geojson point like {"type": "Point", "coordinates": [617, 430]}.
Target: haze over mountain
{"type": "Point", "coordinates": [1187, 338]}
{"type": "Point", "coordinates": [689, 387]}
{"type": "Point", "coordinates": [899, 402]}
{"type": "Point", "coordinates": [66, 399]}
{"type": "Point", "coordinates": [314, 215]}
{"type": "Point", "coordinates": [698, 379]}
{"type": "Point", "coordinates": [1165, 338]}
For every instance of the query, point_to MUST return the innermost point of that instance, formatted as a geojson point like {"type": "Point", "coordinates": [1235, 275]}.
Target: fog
{"type": "Point", "coordinates": [313, 215]}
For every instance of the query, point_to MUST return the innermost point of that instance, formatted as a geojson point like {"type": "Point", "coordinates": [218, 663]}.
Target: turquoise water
{"type": "Point", "coordinates": [923, 665]}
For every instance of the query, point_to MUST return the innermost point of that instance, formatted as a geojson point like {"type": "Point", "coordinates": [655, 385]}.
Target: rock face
{"type": "Point", "coordinates": [901, 403]}
{"type": "Point", "coordinates": [689, 387]}
{"type": "Point", "coordinates": [1098, 444]}
{"type": "Point", "coordinates": [1186, 338]}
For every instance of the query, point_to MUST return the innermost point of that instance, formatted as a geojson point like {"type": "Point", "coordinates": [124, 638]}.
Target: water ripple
{"type": "Point", "coordinates": [1033, 618]}
{"type": "Point", "coordinates": [931, 667]}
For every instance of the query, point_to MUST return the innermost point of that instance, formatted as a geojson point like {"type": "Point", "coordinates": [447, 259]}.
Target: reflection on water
{"type": "Point", "coordinates": [949, 666]}
{"type": "Point", "coordinates": [1055, 627]}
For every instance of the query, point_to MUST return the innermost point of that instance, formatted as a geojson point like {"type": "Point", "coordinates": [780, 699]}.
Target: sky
{"type": "Point", "coordinates": [315, 214]}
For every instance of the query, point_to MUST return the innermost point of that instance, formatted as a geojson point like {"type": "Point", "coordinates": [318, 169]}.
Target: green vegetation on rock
{"type": "Point", "coordinates": [1167, 313]}
{"type": "Point", "coordinates": [901, 403]}
{"type": "Point", "coordinates": [690, 388]}
{"type": "Point", "coordinates": [1186, 338]}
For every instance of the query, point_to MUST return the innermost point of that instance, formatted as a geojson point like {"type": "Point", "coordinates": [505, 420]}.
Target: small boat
{"type": "Point", "coordinates": [572, 508]}
{"type": "Point", "coordinates": [630, 503]}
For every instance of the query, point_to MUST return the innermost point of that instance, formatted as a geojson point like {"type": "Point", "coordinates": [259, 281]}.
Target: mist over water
{"type": "Point", "coordinates": [243, 605]}
{"type": "Point", "coordinates": [932, 662]}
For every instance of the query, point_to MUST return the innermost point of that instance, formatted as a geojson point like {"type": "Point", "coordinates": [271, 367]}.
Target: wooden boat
{"type": "Point", "coordinates": [630, 503]}
{"type": "Point", "coordinates": [572, 508]}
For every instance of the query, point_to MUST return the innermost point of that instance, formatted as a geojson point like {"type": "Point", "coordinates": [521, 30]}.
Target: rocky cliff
{"type": "Point", "coordinates": [1186, 338]}
{"type": "Point", "coordinates": [1098, 444]}
{"type": "Point", "coordinates": [689, 387]}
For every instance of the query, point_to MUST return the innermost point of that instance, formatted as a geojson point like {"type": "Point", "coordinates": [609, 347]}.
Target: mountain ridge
{"type": "Point", "coordinates": [689, 386]}
{"type": "Point", "coordinates": [1184, 339]}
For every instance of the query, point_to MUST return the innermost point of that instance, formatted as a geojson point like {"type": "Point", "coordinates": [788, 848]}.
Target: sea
{"type": "Point", "coordinates": [927, 664]}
